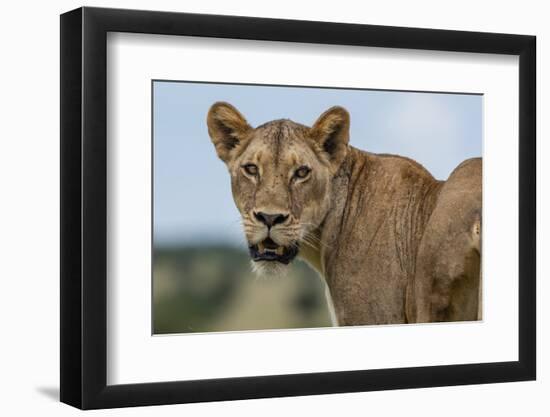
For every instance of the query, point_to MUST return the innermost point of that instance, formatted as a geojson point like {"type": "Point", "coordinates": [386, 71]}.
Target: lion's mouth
{"type": "Point", "coordinates": [268, 250]}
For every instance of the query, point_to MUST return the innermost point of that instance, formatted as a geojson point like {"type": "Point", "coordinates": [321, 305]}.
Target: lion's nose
{"type": "Point", "coordinates": [270, 220]}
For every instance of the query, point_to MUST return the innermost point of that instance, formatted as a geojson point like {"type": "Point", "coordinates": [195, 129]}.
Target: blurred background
{"type": "Point", "coordinates": [202, 280]}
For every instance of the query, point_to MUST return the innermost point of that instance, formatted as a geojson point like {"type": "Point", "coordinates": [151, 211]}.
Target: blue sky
{"type": "Point", "coordinates": [192, 195]}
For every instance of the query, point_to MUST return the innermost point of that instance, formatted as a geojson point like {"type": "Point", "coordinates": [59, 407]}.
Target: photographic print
{"type": "Point", "coordinates": [279, 207]}
{"type": "Point", "coordinates": [356, 187]}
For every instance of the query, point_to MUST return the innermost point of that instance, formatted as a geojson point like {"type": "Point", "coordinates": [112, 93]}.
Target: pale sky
{"type": "Point", "coordinates": [192, 195]}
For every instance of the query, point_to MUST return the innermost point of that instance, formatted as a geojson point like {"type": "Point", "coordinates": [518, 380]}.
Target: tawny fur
{"type": "Point", "coordinates": [393, 244]}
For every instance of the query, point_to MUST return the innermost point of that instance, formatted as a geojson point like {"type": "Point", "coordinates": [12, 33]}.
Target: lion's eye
{"type": "Point", "coordinates": [302, 172]}
{"type": "Point", "coordinates": [251, 169]}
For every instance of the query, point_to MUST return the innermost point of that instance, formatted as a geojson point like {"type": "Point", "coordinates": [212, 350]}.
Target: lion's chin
{"type": "Point", "coordinates": [269, 269]}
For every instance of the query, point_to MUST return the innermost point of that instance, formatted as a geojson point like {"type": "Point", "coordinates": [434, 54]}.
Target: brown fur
{"type": "Point", "coordinates": [393, 244]}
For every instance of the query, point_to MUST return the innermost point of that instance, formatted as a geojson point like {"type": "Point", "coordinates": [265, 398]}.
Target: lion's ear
{"type": "Point", "coordinates": [331, 134]}
{"type": "Point", "coordinates": [227, 129]}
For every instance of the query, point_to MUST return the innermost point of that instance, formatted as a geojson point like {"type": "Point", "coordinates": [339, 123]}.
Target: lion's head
{"type": "Point", "coordinates": [281, 176]}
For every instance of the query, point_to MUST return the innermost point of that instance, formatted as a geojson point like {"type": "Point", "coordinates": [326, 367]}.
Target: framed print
{"type": "Point", "coordinates": [257, 208]}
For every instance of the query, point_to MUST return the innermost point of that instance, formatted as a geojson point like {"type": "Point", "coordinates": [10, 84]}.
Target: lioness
{"type": "Point", "coordinates": [393, 244]}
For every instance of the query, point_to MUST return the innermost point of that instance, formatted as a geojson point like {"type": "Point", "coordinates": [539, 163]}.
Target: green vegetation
{"type": "Point", "coordinates": [212, 288]}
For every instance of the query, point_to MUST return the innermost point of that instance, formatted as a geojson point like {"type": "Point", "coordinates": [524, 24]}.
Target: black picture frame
{"type": "Point", "coordinates": [84, 207]}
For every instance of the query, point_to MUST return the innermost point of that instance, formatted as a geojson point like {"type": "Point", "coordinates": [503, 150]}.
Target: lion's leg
{"type": "Point", "coordinates": [446, 283]}
{"type": "Point", "coordinates": [331, 309]}
{"type": "Point", "coordinates": [446, 286]}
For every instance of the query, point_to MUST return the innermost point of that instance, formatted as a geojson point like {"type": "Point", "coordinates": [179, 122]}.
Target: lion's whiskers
{"type": "Point", "coordinates": [290, 235]}
{"type": "Point", "coordinates": [314, 241]}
